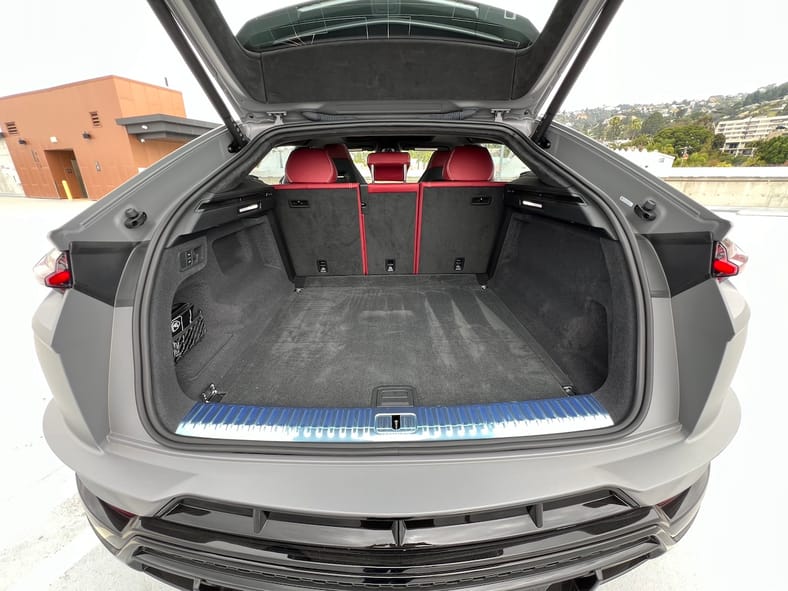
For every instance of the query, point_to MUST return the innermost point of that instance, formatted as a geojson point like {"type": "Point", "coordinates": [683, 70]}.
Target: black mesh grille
{"type": "Point", "coordinates": [190, 336]}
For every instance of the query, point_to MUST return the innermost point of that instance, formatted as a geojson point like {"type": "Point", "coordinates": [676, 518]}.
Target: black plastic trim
{"type": "Point", "coordinates": [657, 282]}
{"type": "Point", "coordinates": [555, 203]}
{"type": "Point", "coordinates": [252, 198]}
{"type": "Point", "coordinates": [97, 267]}
{"type": "Point", "coordinates": [204, 543]}
{"type": "Point", "coordinates": [686, 258]}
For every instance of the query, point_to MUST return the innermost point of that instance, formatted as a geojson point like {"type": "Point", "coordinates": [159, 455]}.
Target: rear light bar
{"type": "Point", "coordinates": [54, 270]}
{"type": "Point", "coordinates": [122, 512]}
{"type": "Point", "coordinates": [729, 259]}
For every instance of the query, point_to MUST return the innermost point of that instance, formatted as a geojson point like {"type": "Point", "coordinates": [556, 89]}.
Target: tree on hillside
{"type": "Point", "coordinates": [704, 120]}
{"type": "Point", "coordinates": [681, 138]}
{"type": "Point", "coordinates": [769, 93]}
{"type": "Point", "coordinates": [633, 127]}
{"type": "Point", "coordinates": [653, 123]}
{"type": "Point", "coordinates": [614, 129]}
{"type": "Point", "coordinates": [772, 151]}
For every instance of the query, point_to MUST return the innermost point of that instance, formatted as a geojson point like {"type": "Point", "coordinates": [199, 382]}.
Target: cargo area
{"type": "Point", "coordinates": [323, 299]}
{"type": "Point", "coordinates": [340, 338]}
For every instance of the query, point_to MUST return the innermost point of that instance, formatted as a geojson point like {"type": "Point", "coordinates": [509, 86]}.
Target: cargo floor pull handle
{"type": "Point", "coordinates": [483, 200]}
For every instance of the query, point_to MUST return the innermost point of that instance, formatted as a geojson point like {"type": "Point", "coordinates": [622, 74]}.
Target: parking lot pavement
{"type": "Point", "coordinates": [736, 542]}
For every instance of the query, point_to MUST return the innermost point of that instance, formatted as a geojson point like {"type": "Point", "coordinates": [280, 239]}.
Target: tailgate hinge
{"type": "Point", "coordinates": [499, 113]}
{"type": "Point", "coordinates": [277, 116]}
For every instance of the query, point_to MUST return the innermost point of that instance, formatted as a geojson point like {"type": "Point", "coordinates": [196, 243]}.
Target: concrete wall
{"type": "Point", "coordinates": [735, 192]}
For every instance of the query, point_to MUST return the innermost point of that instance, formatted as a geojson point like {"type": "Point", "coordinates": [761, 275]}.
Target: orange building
{"type": "Point", "coordinates": [88, 137]}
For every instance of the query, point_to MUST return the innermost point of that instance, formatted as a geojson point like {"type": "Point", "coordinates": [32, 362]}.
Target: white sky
{"type": "Point", "coordinates": [654, 50]}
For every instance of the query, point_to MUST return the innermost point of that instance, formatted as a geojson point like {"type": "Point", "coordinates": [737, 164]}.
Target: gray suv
{"type": "Point", "coordinates": [390, 327]}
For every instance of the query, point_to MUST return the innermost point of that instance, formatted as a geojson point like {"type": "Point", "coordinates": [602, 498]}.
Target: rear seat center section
{"type": "Point", "coordinates": [390, 215]}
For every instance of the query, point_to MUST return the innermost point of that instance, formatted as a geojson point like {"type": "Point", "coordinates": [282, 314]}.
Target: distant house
{"type": "Point", "coordinates": [741, 133]}
{"type": "Point", "coordinates": [83, 139]}
{"type": "Point", "coordinates": [655, 162]}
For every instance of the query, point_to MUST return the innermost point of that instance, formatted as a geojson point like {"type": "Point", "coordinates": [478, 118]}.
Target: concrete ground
{"type": "Point", "coordinates": [736, 542]}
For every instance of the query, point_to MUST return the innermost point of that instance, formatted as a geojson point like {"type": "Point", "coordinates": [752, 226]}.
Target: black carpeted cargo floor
{"type": "Point", "coordinates": [338, 339]}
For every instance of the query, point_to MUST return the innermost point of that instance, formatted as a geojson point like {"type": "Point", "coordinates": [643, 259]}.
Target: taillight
{"type": "Point", "coordinates": [54, 270]}
{"type": "Point", "coordinates": [121, 512]}
{"type": "Point", "coordinates": [729, 259]}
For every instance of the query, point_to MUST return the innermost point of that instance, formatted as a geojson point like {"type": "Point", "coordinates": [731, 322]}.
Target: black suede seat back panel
{"type": "Point", "coordinates": [391, 69]}
{"type": "Point", "coordinates": [325, 227]}
{"type": "Point", "coordinates": [390, 223]}
{"type": "Point", "coordinates": [453, 227]}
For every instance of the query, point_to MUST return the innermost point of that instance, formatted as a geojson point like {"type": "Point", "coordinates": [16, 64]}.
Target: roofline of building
{"type": "Point", "coordinates": [754, 118]}
{"type": "Point", "coordinates": [157, 126]}
{"type": "Point", "coordinates": [88, 81]}
{"type": "Point", "coordinates": [161, 117]}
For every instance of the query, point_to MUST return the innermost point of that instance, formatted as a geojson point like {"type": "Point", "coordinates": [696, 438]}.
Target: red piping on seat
{"type": "Point", "coordinates": [362, 231]}
{"type": "Point", "coordinates": [417, 239]}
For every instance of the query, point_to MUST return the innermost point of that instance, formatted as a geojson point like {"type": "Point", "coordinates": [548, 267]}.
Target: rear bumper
{"type": "Point", "coordinates": [168, 546]}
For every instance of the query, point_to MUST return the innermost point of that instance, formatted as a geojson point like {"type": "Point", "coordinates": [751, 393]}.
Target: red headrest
{"type": "Point", "coordinates": [310, 165]}
{"type": "Point", "coordinates": [438, 158]}
{"type": "Point", "coordinates": [469, 163]}
{"type": "Point", "coordinates": [338, 151]}
{"type": "Point", "coordinates": [389, 166]}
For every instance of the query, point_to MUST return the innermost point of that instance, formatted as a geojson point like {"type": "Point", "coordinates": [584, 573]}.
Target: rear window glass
{"type": "Point", "coordinates": [330, 20]}
{"type": "Point", "coordinates": [271, 168]}
{"type": "Point", "coordinates": [508, 167]}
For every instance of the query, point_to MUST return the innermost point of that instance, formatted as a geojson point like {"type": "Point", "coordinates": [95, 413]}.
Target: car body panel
{"type": "Point", "coordinates": [75, 360]}
{"type": "Point", "coordinates": [154, 191]}
{"type": "Point", "coordinates": [627, 185]}
{"type": "Point", "coordinates": [691, 331]}
{"type": "Point", "coordinates": [141, 478]}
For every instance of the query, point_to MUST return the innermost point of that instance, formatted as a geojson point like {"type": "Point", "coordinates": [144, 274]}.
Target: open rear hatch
{"type": "Point", "coordinates": [356, 57]}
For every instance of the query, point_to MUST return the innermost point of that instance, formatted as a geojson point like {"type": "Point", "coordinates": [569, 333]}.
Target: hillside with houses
{"type": "Point", "coordinates": [747, 129]}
